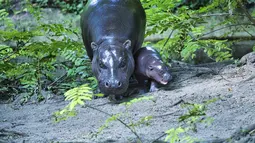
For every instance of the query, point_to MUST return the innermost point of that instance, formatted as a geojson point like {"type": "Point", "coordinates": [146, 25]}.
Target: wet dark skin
{"type": "Point", "coordinates": [112, 31]}
{"type": "Point", "coordinates": [149, 66]}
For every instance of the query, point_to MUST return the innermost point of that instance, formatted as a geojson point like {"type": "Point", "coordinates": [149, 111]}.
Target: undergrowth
{"type": "Point", "coordinates": [41, 57]}
{"type": "Point", "coordinates": [192, 27]}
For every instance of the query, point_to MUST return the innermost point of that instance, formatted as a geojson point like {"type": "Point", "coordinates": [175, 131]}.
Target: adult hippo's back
{"type": "Point", "coordinates": [112, 31]}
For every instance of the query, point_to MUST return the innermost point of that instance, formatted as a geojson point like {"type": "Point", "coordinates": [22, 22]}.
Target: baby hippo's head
{"type": "Point", "coordinates": [158, 70]}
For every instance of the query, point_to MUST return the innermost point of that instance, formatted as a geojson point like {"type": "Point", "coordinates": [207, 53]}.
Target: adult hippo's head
{"type": "Point", "coordinates": [112, 64]}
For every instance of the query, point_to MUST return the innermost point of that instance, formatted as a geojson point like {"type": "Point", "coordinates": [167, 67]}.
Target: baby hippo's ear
{"type": "Point", "coordinates": [127, 44]}
{"type": "Point", "coordinates": [94, 46]}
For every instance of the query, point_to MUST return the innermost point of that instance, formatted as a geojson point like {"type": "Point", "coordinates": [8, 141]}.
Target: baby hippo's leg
{"type": "Point", "coordinates": [154, 86]}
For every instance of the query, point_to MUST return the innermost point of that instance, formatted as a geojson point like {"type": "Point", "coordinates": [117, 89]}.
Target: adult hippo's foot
{"type": "Point", "coordinates": [133, 90]}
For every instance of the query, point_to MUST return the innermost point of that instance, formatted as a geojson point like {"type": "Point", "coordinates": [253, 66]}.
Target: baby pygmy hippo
{"type": "Point", "coordinates": [149, 66]}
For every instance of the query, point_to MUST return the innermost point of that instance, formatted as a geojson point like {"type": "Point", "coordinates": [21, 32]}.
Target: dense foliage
{"type": "Point", "coordinates": [191, 28]}
{"type": "Point", "coordinates": [74, 6]}
{"type": "Point", "coordinates": [40, 57]}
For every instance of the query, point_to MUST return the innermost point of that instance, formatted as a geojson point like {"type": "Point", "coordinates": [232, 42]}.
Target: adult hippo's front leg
{"type": "Point", "coordinates": [112, 31]}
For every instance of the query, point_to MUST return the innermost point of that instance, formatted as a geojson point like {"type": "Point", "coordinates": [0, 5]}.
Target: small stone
{"type": "Point", "coordinates": [229, 95]}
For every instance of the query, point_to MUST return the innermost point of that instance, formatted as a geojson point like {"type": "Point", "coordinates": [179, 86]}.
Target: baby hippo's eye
{"type": "Point", "coordinates": [122, 64]}
{"type": "Point", "coordinates": [150, 68]}
{"type": "Point", "coordinates": [102, 65]}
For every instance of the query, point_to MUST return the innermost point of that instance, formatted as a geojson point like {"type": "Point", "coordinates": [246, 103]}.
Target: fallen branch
{"type": "Point", "coordinates": [219, 14]}
{"type": "Point", "coordinates": [224, 28]}
{"type": "Point", "coordinates": [168, 38]}
{"type": "Point", "coordinates": [15, 125]}
{"type": "Point", "coordinates": [248, 15]}
{"type": "Point", "coordinates": [157, 139]}
{"type": "Point", "coordinates": [210, 71]}
{"type": "Point", "coordinates": [241, 133]}
{"type": "Point", "coordinates": [247, 31]}
{"type": "Point", "coordinates": [57, 79]}
{"type": "Point", "coordinates": [4, 48]}
{"type": "Point", "coordinates": [171, 113]}
{"type": "Point", "coordinates": [166, 114]}
{"type": "Point", "coordinates": [248, 79]}
{"type": "Point", "coordinates": [177, 103]}
{"type": "Point", "coordinates": [4, 132]}
{"type": "Point", "coordinates": [202, 37]}
{"type": "Point", "coordinates": [200, 69]}
{"type": "Point", "coordinates": [122, 122]}
{"type": "Point", "coordinates": [229, 38]}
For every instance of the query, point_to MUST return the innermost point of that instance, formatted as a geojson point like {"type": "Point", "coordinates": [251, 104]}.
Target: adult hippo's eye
{"type": "Point", "coordinates": [102, 65]}
{"type": "Point", "coordinates": [122, 64]}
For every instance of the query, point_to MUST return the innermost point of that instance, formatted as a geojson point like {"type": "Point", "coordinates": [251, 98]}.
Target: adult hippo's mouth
{"type": "Point", "coordinates": [108, 89]}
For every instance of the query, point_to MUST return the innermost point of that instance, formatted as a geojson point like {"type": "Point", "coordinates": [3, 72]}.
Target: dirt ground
{"type": "Point", "coordinates": [234, 86]}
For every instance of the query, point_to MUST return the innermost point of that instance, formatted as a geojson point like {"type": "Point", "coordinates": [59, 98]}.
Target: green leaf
{"type": "Point", "coordinates": [99, 95]}
{"type": "Point", "coordinates": [135, 100]}
{"type": "Point", "coordinates": [79, 101]}
{"type": "Point", "coordinates": [173, 134]}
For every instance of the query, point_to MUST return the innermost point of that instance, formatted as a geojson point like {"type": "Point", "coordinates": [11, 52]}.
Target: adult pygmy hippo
{"type": "Point", "coordinates": [149, 66]}
{"type": "Point", "coordinates": [112, 31]}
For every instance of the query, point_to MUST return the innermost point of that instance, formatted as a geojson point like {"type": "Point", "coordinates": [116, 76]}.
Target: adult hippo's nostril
{"type": "Point", "coordinates": [113, 84]}
{"type": "Point", "coordinates": [107, 84]}
{"type": "Point", "coordinates": [116, 84]}
{"type": "Point", "coordinates": [119, 84]}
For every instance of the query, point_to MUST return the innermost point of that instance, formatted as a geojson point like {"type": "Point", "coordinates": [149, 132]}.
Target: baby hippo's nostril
{"type": "Point", "coordinates": [119, 84]}
{"type": "Point", "coordinates": [167, 77]}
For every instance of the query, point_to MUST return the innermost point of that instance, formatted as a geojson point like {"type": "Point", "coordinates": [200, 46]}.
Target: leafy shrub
{"type": "Point", "coordinates": [187, 27]}
{"type": "Point", "coordinates": [73, 6]}
{"type": "Point", "coordinates": [31, 57]}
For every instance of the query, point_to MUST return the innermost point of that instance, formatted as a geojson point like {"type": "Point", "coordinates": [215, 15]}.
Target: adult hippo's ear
{"type": "Point", "coordinates": [94, 46]}
{"type": "Point", "coordinates": [127, 44]}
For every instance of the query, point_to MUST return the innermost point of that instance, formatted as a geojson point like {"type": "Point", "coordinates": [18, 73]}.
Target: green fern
{"type": "Point", "coordinates": [136, 100]}
{"type": "Point", "coordinates": [173, 134]}
{"type": "Point", "coordinates": [76, 96]}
